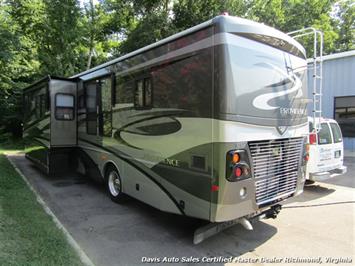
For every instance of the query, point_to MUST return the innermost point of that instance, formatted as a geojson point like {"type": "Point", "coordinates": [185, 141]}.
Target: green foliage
{"type": "Point", "coordinates": [63, 37]}
{"type": "Point", "coordinates": [144, 34]}
{"type": "Point", "coordinates": [59, 37]}
{"type": "Point", "coordinates": [345, 23]}
{"type": "Point", "coordinates": [17, 68]}
{"type": "Point", "coordinates": [189, 13]}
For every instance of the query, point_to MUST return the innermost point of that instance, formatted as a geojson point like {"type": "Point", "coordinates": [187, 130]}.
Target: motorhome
{"type": "Point", "coordinates": [210, 122]}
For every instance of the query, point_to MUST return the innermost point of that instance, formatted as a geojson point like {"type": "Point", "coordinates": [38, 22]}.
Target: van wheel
{"type": "Point", "coordinates": [114, 185]}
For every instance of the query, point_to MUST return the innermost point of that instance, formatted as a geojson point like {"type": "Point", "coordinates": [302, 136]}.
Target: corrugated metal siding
{"type": "Point", "coordinates": [338, 80]}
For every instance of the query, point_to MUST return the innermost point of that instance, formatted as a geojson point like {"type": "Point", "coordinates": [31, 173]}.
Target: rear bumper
{"type": "Point", "coordinates": [320, 176]}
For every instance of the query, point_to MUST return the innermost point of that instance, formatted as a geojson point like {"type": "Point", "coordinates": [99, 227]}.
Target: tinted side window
{"type": "Point", "coordinates": [324, 136]}
{"type": "Point", "coordinates": [336, 133]}
{"type": "Point", "coordinates": [185, 84]}
{"type": "Point", "coordinates": [38, 107]}
{"type": "Point", "coordinates": [124, 90]}
{"type": "Point", "coordinates": [43, 104]}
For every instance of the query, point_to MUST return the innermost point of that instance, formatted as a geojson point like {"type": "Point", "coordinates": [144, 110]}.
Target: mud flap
{"type": "Point", "coordinates": [211, 229]}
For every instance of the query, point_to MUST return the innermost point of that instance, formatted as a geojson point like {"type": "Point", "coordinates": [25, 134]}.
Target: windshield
{"type": "Point", "coordinates": [264, 82]}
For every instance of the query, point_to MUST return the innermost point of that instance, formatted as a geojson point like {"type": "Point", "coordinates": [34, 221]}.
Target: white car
{"type": "Point", "coordinates": [325, 150]}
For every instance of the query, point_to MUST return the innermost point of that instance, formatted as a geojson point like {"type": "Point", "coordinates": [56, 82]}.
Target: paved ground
{"type": "Point", "coordinates": [114, 234]}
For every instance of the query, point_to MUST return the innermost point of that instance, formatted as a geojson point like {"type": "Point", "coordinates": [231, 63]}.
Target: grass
{"type": "Point", "coordinates": [28, 236]}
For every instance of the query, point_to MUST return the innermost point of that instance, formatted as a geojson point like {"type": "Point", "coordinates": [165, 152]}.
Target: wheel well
{"type": "Point", "coordinates": [108, 166]}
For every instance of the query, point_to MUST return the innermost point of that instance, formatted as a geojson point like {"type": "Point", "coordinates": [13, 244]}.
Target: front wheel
{"type": "Point", "coordinates": [114, 185]}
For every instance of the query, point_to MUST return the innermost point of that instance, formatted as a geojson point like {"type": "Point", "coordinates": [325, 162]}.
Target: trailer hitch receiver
{"type": "Point", "coordinates": [273, 212]}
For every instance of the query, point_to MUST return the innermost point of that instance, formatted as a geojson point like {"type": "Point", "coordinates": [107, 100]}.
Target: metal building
{"type": "Point", "coordinates": [338, 100]}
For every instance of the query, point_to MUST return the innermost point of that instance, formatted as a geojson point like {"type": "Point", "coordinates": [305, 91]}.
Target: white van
{"type": "Point", "coordinates": [326, 151]}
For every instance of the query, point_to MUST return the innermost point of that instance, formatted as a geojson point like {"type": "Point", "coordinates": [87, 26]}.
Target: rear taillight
{"type": "Point", "coordinates": [312, 138]}
{"type": "Point", "coordinates": [306, 153]}
{"type": "Point", "coordinates": [306, 157]}
{"type": "Point", "coordinates": [237, 165]}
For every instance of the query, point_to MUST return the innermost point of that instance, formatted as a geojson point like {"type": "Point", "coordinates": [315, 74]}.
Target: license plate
{"type": "Point", "coordinates": [337, 154]}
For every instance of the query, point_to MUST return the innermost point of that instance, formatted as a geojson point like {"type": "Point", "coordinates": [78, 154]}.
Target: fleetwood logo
{"type": "Point", "coordinates": [281, 129]}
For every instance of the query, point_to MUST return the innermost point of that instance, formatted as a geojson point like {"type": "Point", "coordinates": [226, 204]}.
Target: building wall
{"type": "Point", "coordinates": [338, 80]}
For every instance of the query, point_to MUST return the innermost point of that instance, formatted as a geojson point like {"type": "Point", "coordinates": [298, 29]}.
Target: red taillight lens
{"type": "Point", "coordinates": [214, 188]}
{"type": "Point", "coordinates": [312, 138]}
{"type": "Point", "coordinates": [238, 171]}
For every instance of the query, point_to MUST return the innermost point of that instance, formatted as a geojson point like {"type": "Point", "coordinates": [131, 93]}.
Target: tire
{"type": "Point", "coordinates": [309, 182]}
{"type": "Point", "coordinates": [114, 185]}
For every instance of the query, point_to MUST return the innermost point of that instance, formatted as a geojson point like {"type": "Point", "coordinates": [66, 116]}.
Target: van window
{"type": "Point", "coordinates": [336, 133]}
{"type": "Point", "coordinates": [324, 136]}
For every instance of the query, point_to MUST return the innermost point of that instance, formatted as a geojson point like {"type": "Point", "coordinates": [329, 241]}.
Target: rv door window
{"type": "Point", "coordinates": [138, 101]}
{"type": "Point", "coordinates": [143, 95]}
{"type": "Point", "coordinates": [106, 106]}
{"type": "Point", "coordinates": [91, 107]}
{"type": "Point", "coordinates": [148, 92]}
{"type": "Point", "coordinates": [64, 107]}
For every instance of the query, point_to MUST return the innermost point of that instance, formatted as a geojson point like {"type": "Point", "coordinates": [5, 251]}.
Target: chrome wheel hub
{"type": "Point", "coordinates": [114, 184]}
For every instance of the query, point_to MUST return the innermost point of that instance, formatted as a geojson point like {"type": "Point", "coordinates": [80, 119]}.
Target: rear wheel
{"type": "Point", "coordinates": [114, 185]}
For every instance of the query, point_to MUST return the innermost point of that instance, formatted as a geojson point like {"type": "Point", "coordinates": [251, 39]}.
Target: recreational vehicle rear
{"type": "Point", "coordinates": [208, 123]}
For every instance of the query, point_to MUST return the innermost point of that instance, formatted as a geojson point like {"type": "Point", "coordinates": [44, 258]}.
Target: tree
{"type": "Point", "coordinates": [345, 23]}
{"type": "Point", "coordinates": [18, 67]}
{"type": "Point", "coordinates": [95, 44]}
{"type": "Point", "coordinates": [149, 29]}
{"type": "Point", "coordinates": [63, 37]}
{"type": "Point", "coordinates": [59, 38]}
{"type": "Point", "coordinates": [136, 23]}
{"type": "Point", "coordinates": [188, 13]}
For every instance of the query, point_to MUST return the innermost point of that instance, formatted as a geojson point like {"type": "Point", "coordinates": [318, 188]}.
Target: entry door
{"type": "Point", "coordinates": [63, 129]}
{"type": "Point", "coordinates": [98, 107]}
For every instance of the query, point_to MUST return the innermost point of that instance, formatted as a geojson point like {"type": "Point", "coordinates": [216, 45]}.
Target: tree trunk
{"type": "Point", "coordinates": [92, 33]}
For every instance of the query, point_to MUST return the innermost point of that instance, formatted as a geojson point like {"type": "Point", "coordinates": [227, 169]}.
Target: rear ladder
{"type": "Point", "coordinates": [317, 65]}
